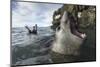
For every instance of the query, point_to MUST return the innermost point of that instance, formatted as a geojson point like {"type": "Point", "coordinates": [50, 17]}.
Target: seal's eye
{"type": "Point", "coordinates": [58, 28]}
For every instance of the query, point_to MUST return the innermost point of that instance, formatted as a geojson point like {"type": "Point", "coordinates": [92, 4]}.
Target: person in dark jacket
{"type": "Point", "coordinates": [34, 31]}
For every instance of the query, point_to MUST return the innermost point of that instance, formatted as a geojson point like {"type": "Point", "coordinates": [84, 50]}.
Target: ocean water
{"type": "Point", "coordinates": [29, 48]}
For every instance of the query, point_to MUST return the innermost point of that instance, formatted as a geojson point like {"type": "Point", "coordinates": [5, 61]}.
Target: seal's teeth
{"type": "Point", "coordinates": [83, 35]}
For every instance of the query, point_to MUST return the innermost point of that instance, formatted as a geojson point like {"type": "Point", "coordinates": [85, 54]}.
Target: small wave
{"type": "Point", "coordinates": [35, 60]}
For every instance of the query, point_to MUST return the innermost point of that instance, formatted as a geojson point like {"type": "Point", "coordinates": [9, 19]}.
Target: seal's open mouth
{"type": "Point", "coordinates": [79, 34]}
{"type": "Point", "coordinates": [74, 28]}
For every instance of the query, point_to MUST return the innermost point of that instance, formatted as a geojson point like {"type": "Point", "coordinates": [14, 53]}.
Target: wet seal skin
{"type": "Point", "coordinates": [68, 40]}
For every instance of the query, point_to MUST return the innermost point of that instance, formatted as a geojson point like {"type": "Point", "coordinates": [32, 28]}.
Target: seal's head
{"type": "Point", "coordinates": [69, 24]}
{"type": "Point", "coordinates": [68, 38]}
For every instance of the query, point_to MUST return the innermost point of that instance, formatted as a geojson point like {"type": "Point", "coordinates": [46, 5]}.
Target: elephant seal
{"type": "Point", "coordinates": [67, 38]}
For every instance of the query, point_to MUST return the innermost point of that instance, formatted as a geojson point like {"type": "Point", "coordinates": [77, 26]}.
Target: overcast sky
{"type": "Point", "coordinates": [27, 13]}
